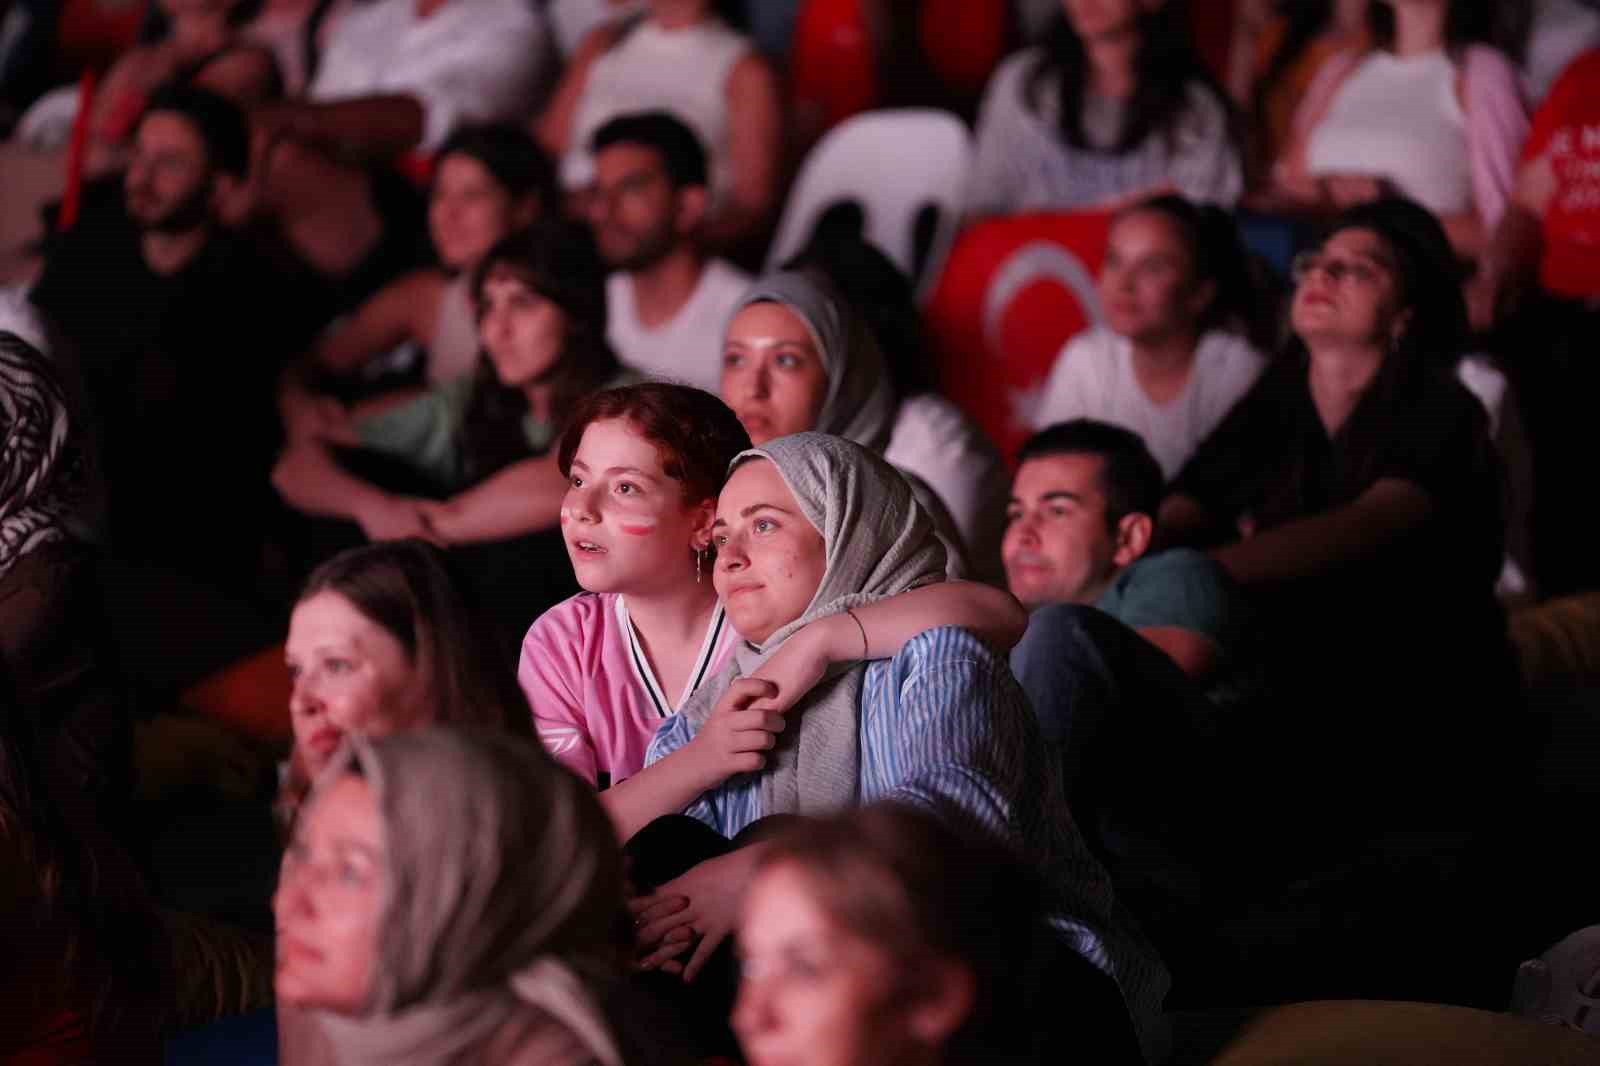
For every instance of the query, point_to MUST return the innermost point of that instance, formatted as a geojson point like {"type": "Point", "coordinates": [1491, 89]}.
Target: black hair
{"type": "Point", "coordinates": [1216, 254]}
{"type": "Point", "coordinates": [1428, 273]}
{"type": "Point", "coordinates": [1130, 477]}
{"type": "Point", "coordinates": [1165, 66]}
{"type": "Point", "coordinates": [511, 155]}
{"type": "Point", "coordinates": [880, 293]}
{"type": "Point", "coordinates": [557, 259]}
{"type": "Point", "coordinates": [219, 121]}
{"type": "Point", "coordinates": [1465, 22]}
{"type": "Point", "coordinates": [682, 155]}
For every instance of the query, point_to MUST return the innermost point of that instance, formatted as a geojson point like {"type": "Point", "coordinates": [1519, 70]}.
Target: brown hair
{"type": "Point", "coordinates": [923, 888]}
{"type": "Point", "coordinates": [409, 588]}
{"type": "Point", "coordinates": [695, 433]}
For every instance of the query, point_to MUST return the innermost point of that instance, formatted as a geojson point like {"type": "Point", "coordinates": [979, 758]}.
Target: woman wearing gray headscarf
{"type": "Point", "coordinates": [811, 525]}
{"type": "Point", "coordinates": [796, 357]}
{"type": "Point", "coordinates": [449, 897]}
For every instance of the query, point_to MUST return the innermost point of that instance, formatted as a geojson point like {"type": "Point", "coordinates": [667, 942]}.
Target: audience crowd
{"type": "Point", "coordinates": [464, 598]}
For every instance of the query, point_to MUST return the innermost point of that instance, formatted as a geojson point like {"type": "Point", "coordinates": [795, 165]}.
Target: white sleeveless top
{"type": "Point", "coordinates": [1399, 119]}
{"type": "Point", "coordinates": [454, 350]}
{"type": "Point", "coordinates": [684, 72]}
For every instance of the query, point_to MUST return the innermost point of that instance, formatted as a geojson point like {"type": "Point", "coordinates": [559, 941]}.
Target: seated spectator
{"type": "Point", "coordinates": [489, 182]}
{"type": "Point", "coordinates": [919, 943]}
{"type": "Point", "coordinates": [1278, 47]}
{"type": "Point", "coordinates": [1113, 107]}
{"type": "Point", "coordinates": [148, 291]}
{"type": "Point", "coordinates": [1540, 278]}
{"type": "Point", "coordinates": [203, 47]}
{"type": "Point", "coordinates": [384, 640]}
{"type": "Point", "coordinates": [395, 76]}
{"type": "Point", "coordinates": [667, 302]}
{"type": "Point", "coordinates": [686, 59]}
{"type": "Point", "coordinates": [930, 434]}
{"type": "Point", "coordinates": [797, 357]}
{"type": "Point", "coordinates": [573, 20]}
{"type": "Point", "coordinates": [605, 668]}
{"type": "Point", "coordinates": [808, 526]}
{"type": "Point", "coordinates": [1356, 473]}
{"type": "Point", "coordinates": [1430, 112]}
{"type": "Point", "coordinates": [1082, 513]}
{"type": "Point", "coordinates": [471, 464]}
{"type": "Point", "coordinates": [1168, 362]}
{"type": "Point", "coordinates": [449, 896]}
{"type": "Point", "coordinates": [83, 975]}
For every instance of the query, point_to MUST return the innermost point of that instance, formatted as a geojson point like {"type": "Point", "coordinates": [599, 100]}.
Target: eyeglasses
{"type": "Point", "coordinates": [1337, 270]}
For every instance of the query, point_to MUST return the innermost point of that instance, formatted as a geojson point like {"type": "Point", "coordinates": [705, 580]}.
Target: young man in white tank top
{"type": "Point", "coordinates": [667, 303]}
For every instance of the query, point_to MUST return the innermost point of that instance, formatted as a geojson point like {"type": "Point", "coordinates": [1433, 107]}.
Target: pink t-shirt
{"type": "Point", "coordinates": [596, 702]}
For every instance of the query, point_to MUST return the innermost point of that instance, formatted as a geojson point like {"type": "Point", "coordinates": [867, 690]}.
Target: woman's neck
{"type": "Point", "coordinates": [671, 625]}
{"type": "Point", "coordinates": [1162, 366]}
{"type": "Point", "coordinates": [677, 14]}
{"type": "Point", "coordinates": [1111, 64]}
{"type": "Point", "coordinates": [539, 395]}
{"type": "Point", "coordinates": [1419, 28]}
{"type": "Point", "coordinates": [1349, 18]}
{"type": "Point", "coordinates": [1339, 374]}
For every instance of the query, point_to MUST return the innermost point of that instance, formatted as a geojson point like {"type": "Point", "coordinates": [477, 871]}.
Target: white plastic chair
{"type": "Point", "coordinates": [893, 164]}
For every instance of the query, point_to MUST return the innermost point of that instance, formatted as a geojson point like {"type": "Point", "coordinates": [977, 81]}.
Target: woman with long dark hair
{"type": "Point", "coordinates": [1354, 492]}
{"type": "Point", "coordinates": [471, 464]}
{"type": "Point", "coordinates": [488, 182]}
{"type": "Point", "coordinates": [1114, 106]}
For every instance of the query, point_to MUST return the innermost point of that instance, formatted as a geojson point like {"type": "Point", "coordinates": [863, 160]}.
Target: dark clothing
{"type": "Point", "coordinates": [1397, 661]}
{"type": "Point", "coordinates": [1551, 347]}
{"type": "Point", "coordinates": [180, 373]}
{"type": "Point", "coordinates": [1097, 1027]}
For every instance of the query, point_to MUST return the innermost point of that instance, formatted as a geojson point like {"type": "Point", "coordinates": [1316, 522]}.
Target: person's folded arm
{"type": "Point", "coordinates": [310, 479]}
{"type": "Point", "coordinates": [1310, 546]}
{"type": "Point", "coordinates": [523, 498]}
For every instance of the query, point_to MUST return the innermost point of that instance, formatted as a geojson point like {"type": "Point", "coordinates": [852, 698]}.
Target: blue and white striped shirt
{"type": "Point", "coordinates": [945, 723]}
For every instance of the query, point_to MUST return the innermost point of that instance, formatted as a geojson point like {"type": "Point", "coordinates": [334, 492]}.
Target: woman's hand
{"type": "Point", "coordinates": [741, 729]}
{"type": "Point", "coordinates": [795, 668]}
{"type": "Point", "coordinates": [703, 903]}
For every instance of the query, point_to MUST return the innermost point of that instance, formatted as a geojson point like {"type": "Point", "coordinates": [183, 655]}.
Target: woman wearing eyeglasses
{"type": "Point", "coordinates": [1354, 492]}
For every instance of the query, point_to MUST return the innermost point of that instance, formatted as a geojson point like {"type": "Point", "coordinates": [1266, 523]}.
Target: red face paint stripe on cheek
{"type": "Point", "coordinates": [637, 531]}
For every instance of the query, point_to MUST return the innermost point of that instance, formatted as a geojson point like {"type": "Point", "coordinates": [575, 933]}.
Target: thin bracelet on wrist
{"type": "Point", "coordinates": [863, 630]}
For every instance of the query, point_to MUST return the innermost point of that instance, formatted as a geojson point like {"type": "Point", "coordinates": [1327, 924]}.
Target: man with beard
{"type": "Point", "coordinates": [176, 323]}
{"type": "Point", "coordinates": [668, 304]}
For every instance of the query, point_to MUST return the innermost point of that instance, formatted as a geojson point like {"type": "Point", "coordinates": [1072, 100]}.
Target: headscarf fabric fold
{"type": "Point", "coordinates": [503, 904]}
{"type": "Point", "coordinates": [860, 403]}
{"type": "Point", "coordinates": [36, 457]}
{"type": "Point", "coordinates": [879, 542]}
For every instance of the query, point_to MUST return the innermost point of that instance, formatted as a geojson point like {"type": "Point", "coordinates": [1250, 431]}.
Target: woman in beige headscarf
{"type": "Point", "coordinates": [448, 897]}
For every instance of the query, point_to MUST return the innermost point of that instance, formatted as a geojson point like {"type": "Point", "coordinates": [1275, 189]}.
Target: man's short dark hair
{"type": "Point", "coordinates": [1130, 477]}
{"type": "Point", "coordinates": [220, 122]}
{"type": "Point", "coordinates": [682, 155]}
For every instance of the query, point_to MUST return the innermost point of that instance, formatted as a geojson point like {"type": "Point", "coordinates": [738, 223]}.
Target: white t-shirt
{"type": "Point", "coordinates": [689, 347]}
{"type": "Point", "coordinates": [935, 441]}
{"type": "Point", "coordinates": [1093, 377]}
{"type": "Point", "coordinates": [471, 60]}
